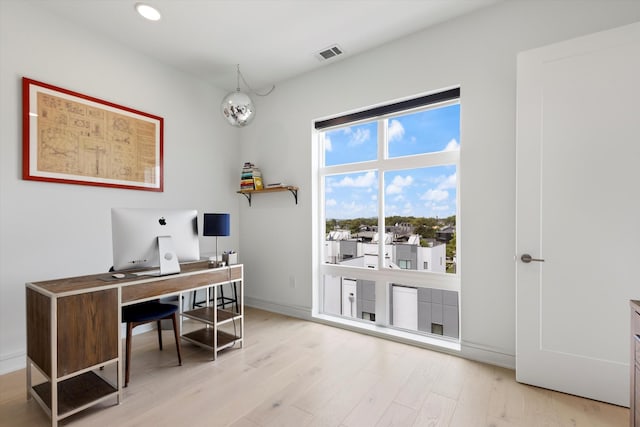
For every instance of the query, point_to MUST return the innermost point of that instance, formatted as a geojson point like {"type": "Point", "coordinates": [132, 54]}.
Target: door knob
{"type": "Point", "coordinates": [526, 258]}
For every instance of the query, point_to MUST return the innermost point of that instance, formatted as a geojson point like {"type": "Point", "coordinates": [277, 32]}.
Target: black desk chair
{"type": "Point", "coordinates": [146, 312]}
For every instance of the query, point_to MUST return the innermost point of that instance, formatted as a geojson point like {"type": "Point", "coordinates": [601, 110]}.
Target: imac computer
{"type": "Point", "coordinates": [154, 237]}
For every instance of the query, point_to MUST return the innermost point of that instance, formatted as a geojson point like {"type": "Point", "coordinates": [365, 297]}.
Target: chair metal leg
{"type": "Point", "coordinates": [221, 298]}
{"type": "Point", "coordinates": [176, 334]}
{"type": "Point", "coordinates": [159, 327]}
{"type": "Point", "coordinates": [127, 363]}
{"type": "Point", "coordinates": [235, 296]}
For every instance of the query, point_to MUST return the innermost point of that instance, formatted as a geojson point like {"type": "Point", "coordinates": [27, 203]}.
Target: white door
{"type": "Point", "coordinates": [578, 208]}
{"type": "Point", "coordinates": [405, 307]}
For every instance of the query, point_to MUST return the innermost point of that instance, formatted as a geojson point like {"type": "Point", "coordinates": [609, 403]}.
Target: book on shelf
{"type": "Point", "coordinates": [257, 183]}
{"type": "Point", "coordinates": [251, 177]}
{"type": "Point", "coordinates": [274, 185]}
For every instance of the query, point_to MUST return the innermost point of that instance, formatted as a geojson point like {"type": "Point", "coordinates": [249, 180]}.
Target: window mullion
{"type": "Point", "coordinates": [382, 296]}
{"type": "Point", "coordinates": [351, 168]}
{"type": "Point", "coordinates": [382, 155]}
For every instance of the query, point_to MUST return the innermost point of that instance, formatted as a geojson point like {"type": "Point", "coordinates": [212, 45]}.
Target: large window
{"type": "Point", "coordinates": [388, 203]}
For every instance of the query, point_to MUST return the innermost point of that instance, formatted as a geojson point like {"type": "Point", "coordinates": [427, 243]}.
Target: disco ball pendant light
{"type": "Point", "coordinates": [237, 107]}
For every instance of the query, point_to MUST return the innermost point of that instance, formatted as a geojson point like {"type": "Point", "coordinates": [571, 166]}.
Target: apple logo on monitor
{"type": "Point", "coordinates": [162, 221]}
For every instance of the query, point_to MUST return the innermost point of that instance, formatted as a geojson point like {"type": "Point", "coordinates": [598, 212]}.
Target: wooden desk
{"type": "Point", "coordinates": [73, 330]}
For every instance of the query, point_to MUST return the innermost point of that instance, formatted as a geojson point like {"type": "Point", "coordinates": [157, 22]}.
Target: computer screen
{"type": "Point", "coordinates": [135, 233]}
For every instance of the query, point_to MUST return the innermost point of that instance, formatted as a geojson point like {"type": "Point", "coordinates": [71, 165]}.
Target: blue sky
{"type": "Point", "coordinates": [423, 192]}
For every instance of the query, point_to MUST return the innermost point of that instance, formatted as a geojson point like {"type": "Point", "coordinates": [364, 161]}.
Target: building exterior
{"type": "Point", "coordinates": [409, 255]}
{"type": "Point", "coordinates": [432, 311]}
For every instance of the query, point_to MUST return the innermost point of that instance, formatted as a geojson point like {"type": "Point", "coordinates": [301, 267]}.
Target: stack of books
{"type": "Point", "coordinates": [251, 178]}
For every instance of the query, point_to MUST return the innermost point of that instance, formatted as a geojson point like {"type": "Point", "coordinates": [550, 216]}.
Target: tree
{"type": "Point", "coordinates": [451, 247]}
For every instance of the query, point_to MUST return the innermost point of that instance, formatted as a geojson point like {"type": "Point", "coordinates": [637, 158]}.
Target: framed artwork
{"type": "Point", "coordinates": [77, 139]}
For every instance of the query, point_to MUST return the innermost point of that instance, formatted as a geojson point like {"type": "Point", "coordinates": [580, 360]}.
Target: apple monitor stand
{"type": "Point", "coordinates": [167, 254]}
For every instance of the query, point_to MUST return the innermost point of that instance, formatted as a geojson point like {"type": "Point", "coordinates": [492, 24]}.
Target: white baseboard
{"type": "Point", "coordinates": [489, 355]}
{"type": "Point", "coordinates": [288, 310]}
{"type": "Point", "coordinates": [12, 362]}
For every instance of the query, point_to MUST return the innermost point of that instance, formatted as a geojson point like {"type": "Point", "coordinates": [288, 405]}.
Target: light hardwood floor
{"type": "Point", "coordinates": [297, 373]}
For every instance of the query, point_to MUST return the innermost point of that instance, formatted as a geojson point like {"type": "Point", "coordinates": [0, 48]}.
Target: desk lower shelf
{"type": "Point", "coordinates": [205, 314]}
{"type": "Point", "coordinates": [204, 338]}
{"type": "Point", "coordinates": [76, 393]}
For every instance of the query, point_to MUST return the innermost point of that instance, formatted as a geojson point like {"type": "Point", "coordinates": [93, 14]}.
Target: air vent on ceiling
{"type": "Point", "coordinates": [329, 53]}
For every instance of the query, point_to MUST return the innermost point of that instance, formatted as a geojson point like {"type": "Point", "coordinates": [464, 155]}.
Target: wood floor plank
{"type": "Point", "coordinates": [584, 412]}
{"type": "Point", "coordinates": [394, 372]}
{"type": "Point", "coordinates": [507, 399]}
{"type": "Point", "coordinates": [436, 411]}
{"type": "Point", "coordinates": [420, 383]}
{"type": "Point", "coordinates": [243, 422]}
{"type": "Point", "coordinates": [397, 415]}
{"type": "Point", "coordinates": [291, 372]}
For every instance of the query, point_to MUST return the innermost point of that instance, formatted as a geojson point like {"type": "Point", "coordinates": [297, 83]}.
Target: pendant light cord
{"type": "Point", "coordinates": [240, 76]}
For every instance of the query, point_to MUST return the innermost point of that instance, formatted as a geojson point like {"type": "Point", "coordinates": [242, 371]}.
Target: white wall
{"type": "Point", "coordinates": [478, 52]}
{"type": "Point", "coordinates": [59, 230]}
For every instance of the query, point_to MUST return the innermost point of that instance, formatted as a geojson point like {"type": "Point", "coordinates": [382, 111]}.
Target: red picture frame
{"type": "Point", "coordinates": [73, 138]}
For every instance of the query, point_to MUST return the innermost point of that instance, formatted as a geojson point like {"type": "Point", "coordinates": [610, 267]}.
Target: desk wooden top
{"type": "Point", "coordinates": [192, 275]}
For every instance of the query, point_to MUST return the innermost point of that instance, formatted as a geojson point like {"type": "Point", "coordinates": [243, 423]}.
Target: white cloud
{"type": "Point", "coordinates": [396, 130]}
{"type": "Point", "coordinates": [356, 209]}
{"type": "Point", "coordinates": [407, 209]}
{"type": "Point", "coordinates": [366, 180]}
{"type": "Point", "coordinates": [435, 195]}
{"type": "Point", "coordinates": [398, 184]}
{"type": "Point", "coordinates": [448, 182]}
{"type": "Point", "coordinates": [440, 208]}
{"type": "Point", "coordinates": [331, 202]}
{"type": "Point", "coordinates": [400, 209]}
{"type": "Point", "coordinates": [359, 137]}
{"type": "Point", "coordinates": [327, 144]}
{"type": "Point", "coordinates": [453, 145]}
{"type": "Point", "coordinates": [393, 189]}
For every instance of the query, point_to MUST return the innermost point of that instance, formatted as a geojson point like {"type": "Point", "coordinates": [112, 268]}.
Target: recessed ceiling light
{"type": "Point", "coordinates": [148, 12]}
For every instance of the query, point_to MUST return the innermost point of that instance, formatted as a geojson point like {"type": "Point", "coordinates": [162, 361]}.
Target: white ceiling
{"type": "Point", "coordinates": [272, 40]}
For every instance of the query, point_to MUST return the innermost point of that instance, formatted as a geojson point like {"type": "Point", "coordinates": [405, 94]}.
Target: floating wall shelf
{"type": "Point", "coordinates": [248, 193]}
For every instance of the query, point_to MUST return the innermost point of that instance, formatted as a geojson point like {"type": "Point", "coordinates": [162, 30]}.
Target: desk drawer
{"type": "Point", "coordinates": [87, 330]}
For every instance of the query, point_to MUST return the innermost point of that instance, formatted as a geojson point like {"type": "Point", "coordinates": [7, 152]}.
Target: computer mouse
{"type": "Point", "coordinates": [118, 275]}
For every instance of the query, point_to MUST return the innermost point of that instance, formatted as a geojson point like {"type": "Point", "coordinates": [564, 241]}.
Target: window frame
{"type": "Point", "coordinates": [382, 276]}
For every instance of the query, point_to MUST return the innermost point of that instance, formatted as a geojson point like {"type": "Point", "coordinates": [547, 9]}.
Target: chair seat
{"type": "Point", "coordinates": [147, 311]}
